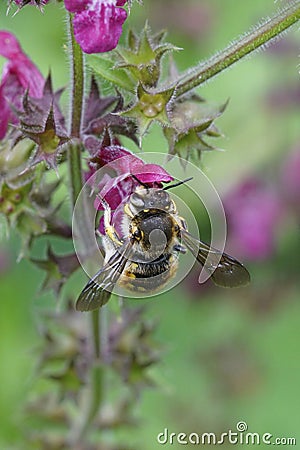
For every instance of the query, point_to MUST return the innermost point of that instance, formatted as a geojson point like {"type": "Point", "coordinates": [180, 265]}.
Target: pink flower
{"type": "Point", "coordinates": [116, 190]}
{"type": "Point", "coordinates": [253, 210]}
{"type": "Point", "coordinates": [97, 23]}
{"type": "Point", "coordinates": [19, 75]}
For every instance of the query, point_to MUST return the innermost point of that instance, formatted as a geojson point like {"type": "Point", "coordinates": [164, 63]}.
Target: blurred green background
{"type": "Point", "coordinates": [228, 356]}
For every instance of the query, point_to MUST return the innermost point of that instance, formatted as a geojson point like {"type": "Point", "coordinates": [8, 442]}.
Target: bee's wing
{"type": "Point", "coordinates": [98, 290]}
{"type": "Point", "coordinates": [225, 270]}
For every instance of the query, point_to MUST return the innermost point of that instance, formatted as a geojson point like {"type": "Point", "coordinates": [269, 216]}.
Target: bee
{"type": "Point", "coordinates": [147, 257]}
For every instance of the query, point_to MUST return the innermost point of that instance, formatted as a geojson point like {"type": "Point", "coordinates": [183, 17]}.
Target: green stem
{"type": "Point", "coordinates": [77, 83]}
{"type": "Point", "coordinates": [76, 182]}
{"type": "Point", "coordinates": [248, 43]}
{"type": "Point", "coordinates": [74, 150]}
{"type": "Point", "coordinates": [96, 333]}
{"type": "Point", "coordinates": [96, 391]}
{"type": "Point", "coordinates": [75, 173]}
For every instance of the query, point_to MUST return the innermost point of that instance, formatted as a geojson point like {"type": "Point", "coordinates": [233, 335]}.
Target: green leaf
{"type": "Point", "coordinates": [106, 69]}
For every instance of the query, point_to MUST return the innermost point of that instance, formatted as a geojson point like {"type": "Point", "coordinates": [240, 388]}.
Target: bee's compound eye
{"type": "Point", "coordinates": [166, 201]}
{"type": "Point", "coordinates": [136, 200]}
{"type": "Point", "coordinates": [137, 234]}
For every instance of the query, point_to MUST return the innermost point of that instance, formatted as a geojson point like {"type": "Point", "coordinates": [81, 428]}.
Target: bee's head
{"type": "Point", "coordinates": [145, 197]}
{"type": "Point", "coordinates": [151, 198]}
{"type": "Point", "coordinates": [153, 224]}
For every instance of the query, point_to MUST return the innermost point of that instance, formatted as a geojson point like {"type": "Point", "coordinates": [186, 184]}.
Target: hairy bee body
{"type": "Point", "coordinates": [144, 257]}
{"type": "Point", "coordinates": [153, 262]}
{"type": "Point", "coordinates": [151, 276]}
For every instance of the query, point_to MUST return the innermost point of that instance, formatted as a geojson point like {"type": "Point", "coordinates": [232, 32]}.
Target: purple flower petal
{"type": "Point", "coordinates": [152, 173]}
{"type": "Point", "coordinates": [11, 93]}
{"type": "Point", "coordinates": [99, 31]}
{"type": "Point", "coordinates": [97, 23]}
{"type": "Point", "coordinates": [111, 154]}
{"type": "Point", "coordinates": [5, 114]}
{"type": "Point", "coordinates": [9, 46]}
{"type": "Point", "coordinates": [290, 176]}
{"type": "Point", "coordinates": [116, 190]}
{"type": "Point", "coordinates": [76, 5]}
{"type": "Point", "coordinates": [29, 77]}
{"type": "Point", "coordinates": [125, 162]}
{"type": "Point", "coordinates": [19, 74]}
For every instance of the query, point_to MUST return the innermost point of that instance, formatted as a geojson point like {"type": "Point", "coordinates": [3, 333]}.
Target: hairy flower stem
{"type": "Point", "coordinates": [74, 150]}
{"type": "Point", "coordinates": [76, 182]}
{"type": "Point", "coordinates": [248, 43]}
{"type": "Point", "coordinates": [78, 83]}
{"type": "Point", "coordinates": [96, 380]}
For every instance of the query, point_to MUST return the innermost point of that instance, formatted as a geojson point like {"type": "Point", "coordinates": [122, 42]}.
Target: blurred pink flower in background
{"type": "Point", "coordinates": [283, 97]}
{"type": "Point", "coordinates": [290, 179]}
{"type": "Point", "coordinates": [193, 19]}
{"type": "Point", "coordinates": [19, 75]}
{"type": "Point", "coordinates": [253, 210]}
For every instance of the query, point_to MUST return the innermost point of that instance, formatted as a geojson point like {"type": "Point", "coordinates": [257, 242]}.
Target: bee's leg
{"type": "Point", "coordinates": [179, 226]}
{"type": "Point", "coordinates": [110, 230]}
{"type": "Point", "coordinates": [183, 223]}
{"type": "Point", "coordinates": [128, 211]}
{"type": "Point", "coordinates": [179, 248]}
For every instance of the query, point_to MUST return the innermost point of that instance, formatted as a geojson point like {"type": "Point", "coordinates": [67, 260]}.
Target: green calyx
{"type": "Point", "coordinates": [150, 107]}
{"type": "Point", "coordinates": [192, 120]}
{"type": "Point", "coordinates": [143, 56]}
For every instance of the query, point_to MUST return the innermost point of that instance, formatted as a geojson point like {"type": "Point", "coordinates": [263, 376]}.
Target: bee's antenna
{"type": "Point", "coordinates": [177, 184]}
{"type": "Point", "coordinates": [139, 181]}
